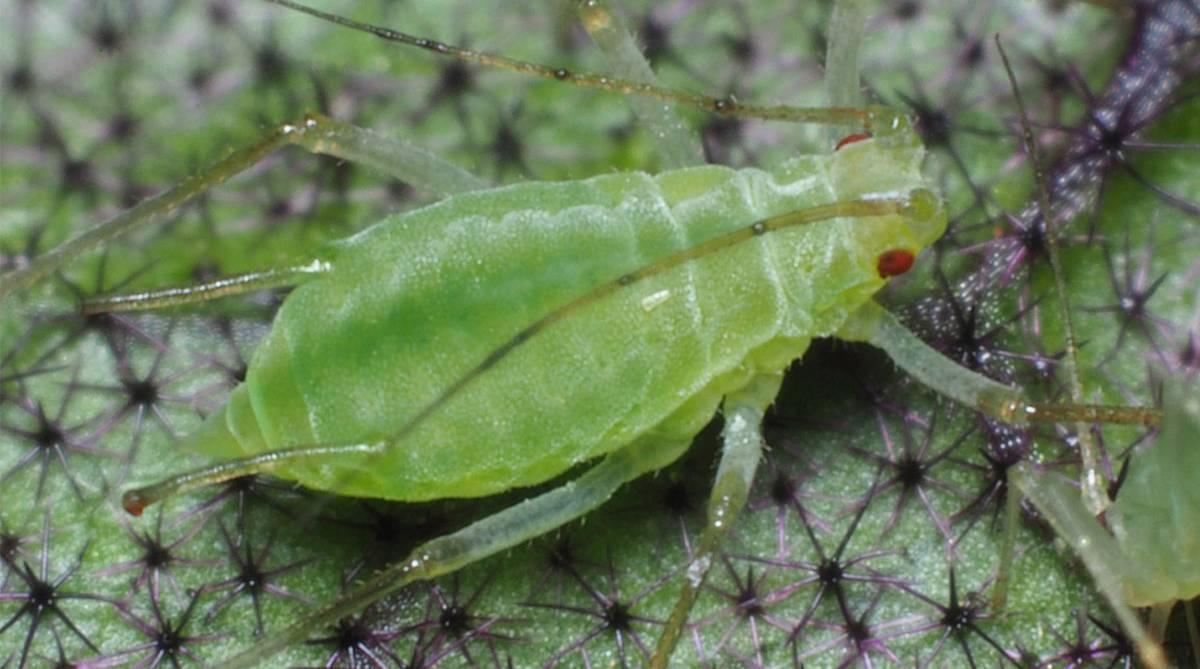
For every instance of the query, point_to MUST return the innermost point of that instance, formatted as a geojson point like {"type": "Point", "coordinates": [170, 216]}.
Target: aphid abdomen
{"type": "Point", "coordinates": [419, 302]}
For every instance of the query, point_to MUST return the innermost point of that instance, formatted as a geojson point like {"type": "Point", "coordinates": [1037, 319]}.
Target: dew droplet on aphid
{"type": "Point", "coordinates": [894, 262]}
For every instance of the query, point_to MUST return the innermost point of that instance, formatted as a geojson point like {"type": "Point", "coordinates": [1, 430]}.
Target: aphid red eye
{"type": "Point", "coordinates": [894, 262]}
{"type": "Point", "coordinates": [133, 502]}
{"type": "Point", "coordinates": [850, 139]}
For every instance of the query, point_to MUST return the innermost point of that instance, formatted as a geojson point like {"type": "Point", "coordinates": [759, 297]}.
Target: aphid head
{"type": "Point", "coordinates": [879, 166]}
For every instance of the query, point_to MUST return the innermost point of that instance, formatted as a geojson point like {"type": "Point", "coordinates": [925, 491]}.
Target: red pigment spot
{"type": "Point", "coordinates": [850, 139]}
{"type": "Point", "coordinates": [894, 262]}
{"type": "Point", "coordinates": [133, 503]}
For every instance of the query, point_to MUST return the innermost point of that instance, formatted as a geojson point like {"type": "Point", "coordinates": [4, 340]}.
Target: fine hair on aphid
{"type": "Point", "coordinates": [161, 376]}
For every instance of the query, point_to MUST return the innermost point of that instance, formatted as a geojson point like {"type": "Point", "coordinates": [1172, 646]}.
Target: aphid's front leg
{"type": "Point", "coordinates": [314, 132]}
{"type": "Point", "coordinates": [1107, 559]}
{"type": "Point", "coordinates": [500, 531]}
{"type": "Point", "coordinates": [741, 452]}
{"type": "Point", "coordinates": [873, 324]}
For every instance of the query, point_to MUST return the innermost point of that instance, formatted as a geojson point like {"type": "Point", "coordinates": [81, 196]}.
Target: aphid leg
{"type": "Point", "coordinates": [1091, 481]}
{"type": "Point", "coordinates": [314, 132]}
{"type": "Point", "coordinates": [204, 292]}
{"type": "Point", "coordinates": [876, 326]}
{"type": "Point", "coordinates": [677, 145]}
{"type": "Point", "coordinates": [846, 25]}
{"type": "Point", "coordinates": [1131, 566]}
{"type": "Point", "coordinates": [743, 445]}
{"type": "Point", "coordinates": [512, 526]}
{"type": "Point", "coordinates": [1008, 547]}
{"type": "Point", "coordinates": [408, 162]}
{"type": "Point", "coordinates": [1103, 557]}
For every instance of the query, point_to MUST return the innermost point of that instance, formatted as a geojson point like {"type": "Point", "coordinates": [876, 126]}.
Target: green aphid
{"type": "Point", "coordinates": [502, 337]}
{"type": "Point", "coordinates": [601, 315]}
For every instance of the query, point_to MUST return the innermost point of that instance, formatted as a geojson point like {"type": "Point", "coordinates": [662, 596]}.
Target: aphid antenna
{"type": "Point", "coordinates": [875, 119]}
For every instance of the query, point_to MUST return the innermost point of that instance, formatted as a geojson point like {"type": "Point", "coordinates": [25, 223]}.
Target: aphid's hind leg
{"type": "Point", "coordinates": [314, 132]}
{"type": "Point", "coordinates": [512, 526]}
{"type": "Point", "coordinates": [742, 450]}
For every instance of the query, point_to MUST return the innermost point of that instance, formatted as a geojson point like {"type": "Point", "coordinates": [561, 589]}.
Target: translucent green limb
{"type": "Point", "coordinates": [743, 444]}
{"type": "Point", "coordinates": [677, 145]}
{"type": "Point", "coordinates": [841, 59]}
{"type": "Point", "coordinates": [876, 326]}
{"type": "Point", "coordinates": [204, 292]}
{"type": "Point", "coordinates": [880, 120]}
{"type": "Point", "coordinates": [1008, 549]}
{"type": "Point", "coordinates": [1060, 505]}
{"type": "Point", "coordinates": [403, 160]}
{"type": "Point", "coordinates": [500, 531]}
{"type": "Point", "coordinates": [314, 132]}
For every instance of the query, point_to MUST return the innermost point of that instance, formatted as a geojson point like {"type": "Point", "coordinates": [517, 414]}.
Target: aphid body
{"type": "Point", "coordinates": [498, 338]}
